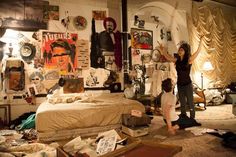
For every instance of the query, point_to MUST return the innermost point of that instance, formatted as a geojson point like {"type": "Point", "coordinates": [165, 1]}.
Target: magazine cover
{"type": "Point", "coordinates": [59, 51]}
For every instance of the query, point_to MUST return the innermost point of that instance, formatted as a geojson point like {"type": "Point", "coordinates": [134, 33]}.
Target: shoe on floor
{"type": "Point", "coordinates": [183, 116]}
{"type": "Point", "coordinates": [194, 122]}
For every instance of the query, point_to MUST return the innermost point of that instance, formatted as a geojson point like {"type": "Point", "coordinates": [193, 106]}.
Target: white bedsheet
{"type": "Point", "coordinates": [104, 110]}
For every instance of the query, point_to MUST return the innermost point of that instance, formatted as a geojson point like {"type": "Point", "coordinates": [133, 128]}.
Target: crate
{"type": "Point", "coordinates": [62, 153]}
{"type": "Point", "coordinates": [134, 146]}
{"type": "Point", "coordinates": [131, 143]}
{"type": "Point", "coordinates": [149, 148]}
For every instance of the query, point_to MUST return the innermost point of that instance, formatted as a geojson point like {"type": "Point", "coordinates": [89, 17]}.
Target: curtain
{"type": "Point", "coordinates": [219, 44]}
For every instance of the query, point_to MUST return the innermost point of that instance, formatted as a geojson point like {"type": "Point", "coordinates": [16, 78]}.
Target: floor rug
{"type": "Point", "coordinates": [201, 146]}
{"type": "Point", "coordinates": [221, 112]}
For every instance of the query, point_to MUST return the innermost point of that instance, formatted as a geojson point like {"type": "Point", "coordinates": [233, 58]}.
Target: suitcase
{"type": "Point", "coordinates": [133, 121]}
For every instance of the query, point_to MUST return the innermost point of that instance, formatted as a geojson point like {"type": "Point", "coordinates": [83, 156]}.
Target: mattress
{"type": "Point", "coordinates": [98, 111]}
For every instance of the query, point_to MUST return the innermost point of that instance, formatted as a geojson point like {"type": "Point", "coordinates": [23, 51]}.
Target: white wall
{"type": "Point", "coordinates": [172, 16]}
{"type": "Point", "coordinates": [77, 8]}
{"type": "Point", "coordinates": [71, 8]}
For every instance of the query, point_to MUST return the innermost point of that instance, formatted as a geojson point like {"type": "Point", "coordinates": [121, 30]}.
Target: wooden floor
{"type": "Point", "coordinates": [198, 146]}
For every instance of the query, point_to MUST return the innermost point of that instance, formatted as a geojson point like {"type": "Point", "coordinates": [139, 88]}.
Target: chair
{"type": "Point", "coordinates": [198, 96]}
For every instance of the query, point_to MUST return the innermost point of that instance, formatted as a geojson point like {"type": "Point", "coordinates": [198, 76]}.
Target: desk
{"type": "Point", "coordinates": [7, 113]}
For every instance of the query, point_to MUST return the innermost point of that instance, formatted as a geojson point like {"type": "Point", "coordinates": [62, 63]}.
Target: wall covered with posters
{"type": "Point", "coordinates": [61, 50]}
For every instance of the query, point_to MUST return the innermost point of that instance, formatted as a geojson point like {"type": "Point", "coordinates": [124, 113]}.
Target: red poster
{"type": "Point", "coordinates": [59, 51]}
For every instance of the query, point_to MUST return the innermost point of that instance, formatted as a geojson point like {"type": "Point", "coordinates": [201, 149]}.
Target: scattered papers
{"type": "Point", "coordinates": [106, 144]}
{"type": "Point", "coordinates": [109, 133]}
{"type": "Point", "coordinates": [7, 132]}
{"type": "Point", "coordinates": [197, 131]}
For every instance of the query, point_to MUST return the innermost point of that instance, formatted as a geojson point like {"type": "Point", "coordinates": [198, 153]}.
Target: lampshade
{"type": "Point", "coordinates": [10, 36]}
{"type": "Point", "coordinates": [207, 66]}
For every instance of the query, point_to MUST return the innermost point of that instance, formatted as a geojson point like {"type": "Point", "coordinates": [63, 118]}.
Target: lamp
{"type": "Point", "coordinates": [61, 82]}
{"type": "Point", "coordinates": [10, 37]}
{"type": "Point", "coordinates": [207, 66]}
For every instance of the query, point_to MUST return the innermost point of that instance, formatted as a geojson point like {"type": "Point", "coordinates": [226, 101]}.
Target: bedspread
{"type": "Point", "coordinates": [100, 110]}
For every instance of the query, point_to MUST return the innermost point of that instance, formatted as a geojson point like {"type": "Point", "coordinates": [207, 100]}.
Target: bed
{"type": "Point", "coordinates": [87, 116]}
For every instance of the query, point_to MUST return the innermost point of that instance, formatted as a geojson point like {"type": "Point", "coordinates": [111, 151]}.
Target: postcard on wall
{"type": "Point", "coordinates": [136, 56]}
{"type": "Point", "coordinates": [141, 39]}
{"type": "Point", "coordinates": [32, 90]}
{"type": "Point", "coordinates": [99, 14]}
{"type": "Point", "coordinates": [59, 51]}
{"type": "Point", "coordinates": [15, 81]}
{"type": "Point", "coordinates": [51, 12]}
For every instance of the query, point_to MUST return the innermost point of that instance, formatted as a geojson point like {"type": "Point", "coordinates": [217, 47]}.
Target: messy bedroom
{"type": "Point", "coordinates": [117, 78]}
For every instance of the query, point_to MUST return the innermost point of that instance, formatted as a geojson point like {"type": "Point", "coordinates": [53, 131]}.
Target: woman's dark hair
{"type": "Point", "coordinates": [167, 85]}
{"type": "Point", "coordinates": [187, 51]}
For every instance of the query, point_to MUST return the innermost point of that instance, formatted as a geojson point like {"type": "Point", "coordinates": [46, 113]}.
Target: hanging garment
{"type": "Point", "coordinates": [161, 72]}
{"type": "Point", "coordinates": [156, 82]}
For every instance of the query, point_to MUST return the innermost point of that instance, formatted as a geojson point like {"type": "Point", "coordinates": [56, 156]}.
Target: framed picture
{"type": "Point", "coordinates": [23, 15]}
{"type": "Point", "coordinates": [99, 14]}
{"type": "Point", "coordinates": [141, 39]}
{"type": "Point", "coordinates": [73, 85]}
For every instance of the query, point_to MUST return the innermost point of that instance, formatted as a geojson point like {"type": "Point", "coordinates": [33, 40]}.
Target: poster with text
{"type": "Point", "coordinates": [59, 51]}
{"type": "Point", "coordinates": [83, 55]}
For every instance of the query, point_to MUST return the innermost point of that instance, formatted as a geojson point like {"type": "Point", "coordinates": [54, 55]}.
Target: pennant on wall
{"type": "Point", "coordinates": [83, 55]}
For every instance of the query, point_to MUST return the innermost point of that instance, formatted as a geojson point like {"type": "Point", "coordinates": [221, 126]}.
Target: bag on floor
{"type": "Point", "coordinates": [28, 123]}
{"type": "Point", "coordinates": [229, 140]}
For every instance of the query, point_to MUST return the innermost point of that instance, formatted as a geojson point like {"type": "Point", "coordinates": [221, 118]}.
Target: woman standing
{"type": "Point", "coordinates": [183, 61]}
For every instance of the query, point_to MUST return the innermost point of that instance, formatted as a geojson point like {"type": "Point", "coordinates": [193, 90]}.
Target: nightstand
{"type": "Point", "coordinates": [231, 98]}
